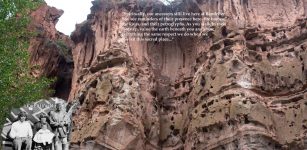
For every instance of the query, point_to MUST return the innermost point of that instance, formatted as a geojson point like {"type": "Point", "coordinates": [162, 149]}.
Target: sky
{"type": "Point", "coordinates": [75, 11]}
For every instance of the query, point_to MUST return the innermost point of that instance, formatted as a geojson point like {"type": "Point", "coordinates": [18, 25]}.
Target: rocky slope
{"type": "Point", "coordinates": [243, 87]}
{"type": "Point", "coordinates": [50, 50]}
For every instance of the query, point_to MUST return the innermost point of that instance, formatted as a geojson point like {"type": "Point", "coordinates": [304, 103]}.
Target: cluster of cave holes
{"type": "Point", "coordinates": [226, 43]}
{"type": "Point", "coordinates": [276, 83]}
{"type": "Point", "coordinates": [279, 33]}
{"type": "Point", "coordinates": [259, 48]}
{"type": "Point", "coordinates": [230, 122]}
{"type": "Point", "coordinates": [174, 131]}
{"type": "Point", "coordinates": [205, 106]}
{"type": "Point", "coordinates": [297, 109]}
{"type": "Point", "coordinates": [253, 57]}
{"type": "Point", "coordinates": [228, 97]}
{"type": "Point", "coordinates": [227, 53]}
{"type": "Point", "coordinates": [237, 143]}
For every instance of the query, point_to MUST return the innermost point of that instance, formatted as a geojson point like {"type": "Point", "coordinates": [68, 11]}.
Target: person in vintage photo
{"type": "Point", "coordinates": [43, 121]}
{"type": "Point", "coordinates": [60, 124]}
{"type": "Point", "coordinates": [21, 132]}
{"type": "Point", "coordinates": [43, 138]}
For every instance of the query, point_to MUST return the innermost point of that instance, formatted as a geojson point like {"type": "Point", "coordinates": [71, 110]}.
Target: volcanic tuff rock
{"type": "Point", "coordinates": [241, 87]}
{"type": "Point", "coordinates": [50, 50]}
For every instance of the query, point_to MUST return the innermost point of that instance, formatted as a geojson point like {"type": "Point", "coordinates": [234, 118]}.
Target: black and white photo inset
{"type": "Point", "coordinates": [42, 125]}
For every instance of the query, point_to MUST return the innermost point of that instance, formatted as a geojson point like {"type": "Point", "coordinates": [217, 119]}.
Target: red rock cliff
{"type": "Point", "coordinates": [244, 87]}
{"type": "Point", "coordinates": [50, 50]}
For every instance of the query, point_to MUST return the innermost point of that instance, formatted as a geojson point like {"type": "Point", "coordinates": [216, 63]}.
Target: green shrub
{"type": "Point", "coordinates": [64, 50]}
{"type": "Point", "coordinates": [17, 86]}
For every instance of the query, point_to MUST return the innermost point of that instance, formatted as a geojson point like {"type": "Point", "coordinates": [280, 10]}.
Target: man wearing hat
{"type": "Point", "coordinates": [21, 132]}
{"type": "Point", "coordinates": [60, 124]}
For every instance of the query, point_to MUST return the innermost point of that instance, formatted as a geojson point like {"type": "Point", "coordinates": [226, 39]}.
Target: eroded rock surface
{"type": "Point", "coordinates": [117, 105]}
{"type": "Point", "coordinates": [242, 87]}
{"type": "Point", "coordinates": [251, 92]}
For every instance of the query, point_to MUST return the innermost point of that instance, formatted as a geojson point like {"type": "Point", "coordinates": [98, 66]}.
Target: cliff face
{"type": "Point", "coordinates": [242, 88]}
{"type": "Point", "coordinates": [247, 13]}
{"type": "Point", "coordinates": [251, 91]}
{"type": "Point", "coordinates": [50, 50]}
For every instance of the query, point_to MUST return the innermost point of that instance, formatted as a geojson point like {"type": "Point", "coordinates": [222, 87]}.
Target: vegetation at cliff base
{"type": "Point", "coordinates": [17, 86]}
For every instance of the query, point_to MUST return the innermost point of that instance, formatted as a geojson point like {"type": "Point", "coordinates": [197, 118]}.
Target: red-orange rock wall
{"type": "Point", "coordinates": [243, 88]}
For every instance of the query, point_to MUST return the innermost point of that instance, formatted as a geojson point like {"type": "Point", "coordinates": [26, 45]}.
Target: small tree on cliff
{"type": "Point", "coordinates": [17, 86]}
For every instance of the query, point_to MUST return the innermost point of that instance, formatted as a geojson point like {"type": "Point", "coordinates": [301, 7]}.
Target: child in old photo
{"type": "Point", "coordinates": [43, 138]}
